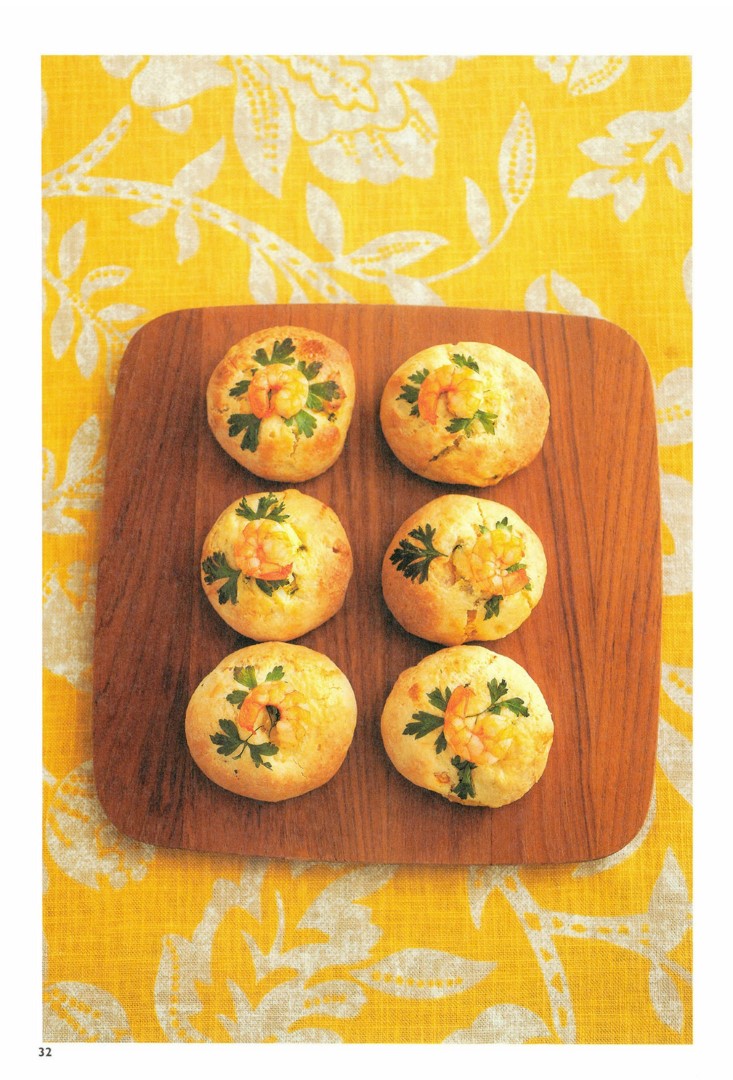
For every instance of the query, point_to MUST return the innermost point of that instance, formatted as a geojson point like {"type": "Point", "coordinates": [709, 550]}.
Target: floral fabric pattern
{"type": "Point", "coordinates": [541, 183]}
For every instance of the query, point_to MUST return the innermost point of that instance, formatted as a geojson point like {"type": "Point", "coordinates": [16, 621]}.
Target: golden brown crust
{"type": "Point", "coordinates": [529, 738]}
{"type": "Point", "coordinates": [317, 743]}
{"type": "Point", "coordinates": [511, 391]}
{"type": "Point", "coordinates": [450, 606]}
{"type": "Point", "coordinates": [282, 452]}
{"type": "Point", "coordinates": [310, 537]}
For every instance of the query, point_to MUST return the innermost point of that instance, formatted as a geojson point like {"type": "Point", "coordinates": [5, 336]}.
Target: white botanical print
{"type": "Point", "coordinates": [674, 407]}
{"type": "Point", "coordinates": [687, 276]}
{"type": "Point", "coordinates": [676, 498]}
{"type": "Point", "coordinates": [82, 485]}
{"type": "Point", "coordinates": [80, 1012]}
{"type": "Point", "coordinates": [361, 117]}
{"type": "Point", "coordinates": [584, 74]}
{"type": "Point", "coordinates": [422, 974]}
{"type": "Point", "coordinates": [273, 260]}
{"type": "Point", "coordinates": [634, 143]}
{"type": "Point", "coordinates": [81, 840]}
{"type": "Point", "coordinates": [653, 935]}
{"type": "Point", "coordinates": [100, 333]}
{"type": "Point", "coordinates": [553, 292]}
{"type": "Point", "coordinates": [503, 1024]}
{"type": "Point", "coordinates": [68, 623]}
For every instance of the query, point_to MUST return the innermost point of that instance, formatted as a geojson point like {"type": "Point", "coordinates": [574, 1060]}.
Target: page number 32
{"type": "Point", "coordinates": [44, 1051]}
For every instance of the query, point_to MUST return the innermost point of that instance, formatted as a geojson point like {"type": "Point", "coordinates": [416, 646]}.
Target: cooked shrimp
{"type": "Point", "coordinates": [461, 388]}
{"type": "Point", "coordinates": [274, 712]}
{"type": "Point", "coordinates": [487, 563]}
{"type": "Point", "coordinates": [475, 734]}
{"type": "Point", "coordinates": [265, 550]}
{"type": "Point", "coordinates": [278, 390]}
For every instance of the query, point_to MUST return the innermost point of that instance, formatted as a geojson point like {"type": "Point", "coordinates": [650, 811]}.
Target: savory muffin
{"type": "Point", "coordinates": [469, 724]}
{"type": "Point", "coordinates": [463, 569]}
{"type": "Point", "coordinates": [274, 566]}
{"type": "Point", "coordinates": [469, 413]}
{"type": "Point", "coordinates": [271, 721]}
{"type": "Point", "coordinates": [280, 402]}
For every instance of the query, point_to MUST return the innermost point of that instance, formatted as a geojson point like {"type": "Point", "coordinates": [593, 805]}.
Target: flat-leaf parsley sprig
{"type": "Point", "coordinates": [268, 506]}
{"type": "Point", "coordinates": [424, 722]}
{"type": "Point", "coordinates": [321, 395]}
{"type": "Point", "coordinates": [412, 560]}
{"type": "Point", "coordinates": [228, 741]}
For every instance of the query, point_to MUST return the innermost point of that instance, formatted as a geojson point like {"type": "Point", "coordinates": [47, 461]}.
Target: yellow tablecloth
{"type": "Point", "coordinates": [555, 183]}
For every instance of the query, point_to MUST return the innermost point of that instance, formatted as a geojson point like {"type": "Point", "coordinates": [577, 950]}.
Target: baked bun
{"type": "Point", "coordinates": [274, 566]}
{"type": "Point", "coordinates": [465, 414]}
{"type": "Point", "coordinates": [469, 724]}
{"type": "Point", "coordinates": [280, 402]}
{"type": "Point", "coordinates": [271, 721]}
{"type": "Point", "coordinates": [463, 569]}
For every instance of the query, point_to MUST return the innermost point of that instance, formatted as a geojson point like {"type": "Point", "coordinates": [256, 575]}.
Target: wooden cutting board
{"type": "Point", "coordinates": [592, 644]}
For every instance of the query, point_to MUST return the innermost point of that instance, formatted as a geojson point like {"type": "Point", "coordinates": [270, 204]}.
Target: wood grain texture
{"type": "Point", "coordinates": [592, 644]}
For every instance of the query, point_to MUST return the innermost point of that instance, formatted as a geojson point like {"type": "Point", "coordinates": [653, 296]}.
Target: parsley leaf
{"type": "Point", "coordinates": [464, 789]}
{"type": "Point", "coordinates": [275, 675]}
{"type": "Point", "coordinates": [410, 393]}
{"type": "Point", "coordinates": [247, 423]}
{"type": "Point", "coordinates": [464, 423]}
{"type": "Point", "coordinates": [504, 523]}
{"type": "Point", "coordinates": [309, 370]}
{"type": "Point", "coordinates": [439, 698]}
{"type": "Point", "coordinates": [237, 697]}
{"type": "Point", "coordinates": [268, 506]}
{"type": "Point", "coordinates": [425, 723]}
{"type": "Point", "coordinates": [304, 422]}
{"type": "Point", "coordinates": [441, 743]}
{"type": "Point", "coordinates": [462, 361]}
{"type": "Point", "coordinates": [260, 750]}
{"type": "Point", "coordinates": [228, 739]}
{"type": "Point", "coordinates": [282, 353]}
{"type": "Point", "coordinates": [322, 391]}
{"type": "Point", "coordinates": [216, 567]}
{"type": "Point", "coordinates": [491, 607]}
{"type": "Point", "coordinates": [240, 388]}
{"type": "Point", "coordinates": [247, 676]}
{"type": "Point", "coordinates": [498, 691]}
{"type": "Point", "coordinates": [269, 587]}
{"type": "Point", "coordinates": [413, 561]}
{"type": "Point", "coordinates": [516, 566]}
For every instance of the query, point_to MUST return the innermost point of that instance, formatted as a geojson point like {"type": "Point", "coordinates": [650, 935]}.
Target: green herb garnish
{"type": "Point", "coordinates": [216, 567]}
{"type": "Point", "coordinates": [464, 789]}
{"type": "Point", "coordinates": [268, 506]}
{"type": "Point", "coordinates": [247, 423]}
{"type": "Point", "coordinates": [304, 423]}
{"type": "Point", "coordinates": [413, 561]}
{"type": "Point", "coordinates": [282, 353]}
{"type": "Point", "coordinates": [410, 393]}
{"type": "Point", "coordinates": [498, 690]}
{"type": "Point", "coordinates": [491, 607]}
{"type": "Point", "coordinates": [464, 361]}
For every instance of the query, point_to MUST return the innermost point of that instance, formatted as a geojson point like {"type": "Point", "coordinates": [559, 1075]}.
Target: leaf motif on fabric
{"type": "Point", "coordinates": [674, 407]}
{"type": "Point", "coordinates": [388, 253]}
{"type": "Point", "coordinates": [478, 213]}
{"type": "Point", "coordinates": [669, 906]}
{"type": "Point", "coordinates": [665, 999]}
{"type": "Point", "coordinates": [177, 119]}
{"type": "Point", "coordinates": [149, 217]}
{"type": "Point", "coordinates": [71, 249]}
{"type": "Point", "coordinates": [687, 276]}
{"type": "Point", "coordinates": [676, 498]}
{"type": "Point", "coordinates": [591, 74]}
{"type": "Point", "coordinates": [104, 277]}
{"type": "Point", "coordinates": [81, 488]}
{"type": "Point", "coordinates": [677, 685]}
{"type": "Point", "coordinates": [674, 754]}
{"type": "Point", "coordinates": [201, 172]}
{"type": "Point", "coordinates": [68, 624]}
{"type": "Point", "coordinates": [566, 296]}
{"type": "Point", "coordinates": [81, 840]}
{"type": "Point", "coordinates": [62, 328]}
{"type": "Point", "coordinates": [171, 80]}
{"type": "Point", "coordinates": [324, 218]}
{"type": "Point", "coordinates": [407, 290]}
{"type": "Point", "coordinates": [517, 160]}
{"type": "Point", "coordinates": [262, 125]}
{"type": "Point", "coordinates": [480, 883]}
{"type": "Point", "coordinates": [503, 1024]}
{"type": "Point", "coordinates": [87, 349]}
{"type": "Point", "coordinates": [80, 1012]}
{"type": "Point", "coordinates": [120, 67]}
{"type": "Point", "coordinates": [424, 974]}
{"type": "Point", "coordinates": [261, 281]}
{"type": "Point", "coordinates": [188, 236]}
